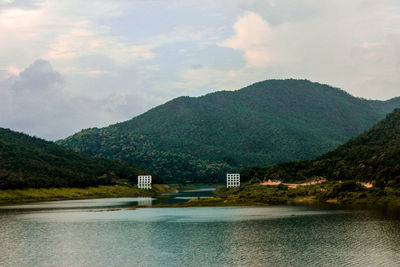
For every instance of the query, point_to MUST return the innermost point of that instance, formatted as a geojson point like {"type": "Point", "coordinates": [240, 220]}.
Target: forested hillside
{"type": "Point", "coordinates": [201, 138]}
{"type": "Point", "coordinates": [372, 156]}
{"type": "Point", "coordinates": [30, 162]}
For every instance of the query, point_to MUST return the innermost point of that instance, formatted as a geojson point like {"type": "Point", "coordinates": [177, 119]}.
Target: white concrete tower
{"type": "Point", "coordinates": [144, 181]}
{"type": "Point", "coordinates": [232, 180]}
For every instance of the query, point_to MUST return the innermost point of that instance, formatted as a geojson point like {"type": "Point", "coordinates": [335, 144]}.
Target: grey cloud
{"type": "Point", "coordinates": [35, 102]}
{"type": "Point", "coordinates": [33, 99]}
{"type": "Point", "coordinates": [38, 76]}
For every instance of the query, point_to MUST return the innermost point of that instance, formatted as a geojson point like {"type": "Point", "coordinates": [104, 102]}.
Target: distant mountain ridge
{"type": "Point", "coordinates": [201, 138]}
{"type": "Point", "coordinates": [372, 156]}
{"type": "Point", "coordinates": [30, 162]}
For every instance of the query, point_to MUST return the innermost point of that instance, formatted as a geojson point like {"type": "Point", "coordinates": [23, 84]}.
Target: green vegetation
{"type": "Point", "coordinates": [349, 193]}
{"type": "Point", "coordinates": [200, 139]}
{"type": "Point", "coordinates": [51, 194]}
{"type": "Point", "coordinates": [30, 162]}
{"type": "Point", "coordinates": [374, 156]}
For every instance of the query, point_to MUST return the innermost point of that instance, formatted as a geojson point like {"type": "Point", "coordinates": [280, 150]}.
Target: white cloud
{"type": "Point", "coordinates": [81, 41]}
{"type": "Point", "coordinates": [63, 31]}
{"type": "Point", "coordinates": [253, 36]}
{"type": "Point", "coordinates": [352, 45]}
{"type": "Point", "coordinates": [11, 70]}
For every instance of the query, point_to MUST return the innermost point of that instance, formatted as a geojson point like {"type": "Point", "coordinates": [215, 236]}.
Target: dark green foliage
{"type": "Point", "coordinates": [342, 190]}
{"type": "Point", "coordinates": [30, 162]}
{"type": "Point", "coordinates": [372, 156]}
{"type": "Point", "coordinates": [347, 193]}
{"type": "Point", "coordinates": [200, 139]}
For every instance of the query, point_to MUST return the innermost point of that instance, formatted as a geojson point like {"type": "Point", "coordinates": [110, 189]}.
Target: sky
{"type": "Point", "coordinates": [66, 65]}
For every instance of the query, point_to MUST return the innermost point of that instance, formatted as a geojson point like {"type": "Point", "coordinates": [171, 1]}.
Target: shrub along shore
{"type": "Point", "coordinates": [348, 193]}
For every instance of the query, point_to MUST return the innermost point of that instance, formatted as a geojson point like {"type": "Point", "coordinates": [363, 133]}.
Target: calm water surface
{"type": "Point", "coordinates": [104, 232]}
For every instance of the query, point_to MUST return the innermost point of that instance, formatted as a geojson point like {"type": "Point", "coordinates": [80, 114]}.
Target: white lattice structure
{"type": "Point", "coordinates": [144, 181]}
{"type": "Point", "coordinates": [232, 180]}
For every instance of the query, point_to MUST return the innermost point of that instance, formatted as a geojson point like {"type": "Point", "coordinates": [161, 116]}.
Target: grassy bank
{"type": "Point", "coordinates": [346, 194]}
{"type": "Point", "coordinates": [51, 194]}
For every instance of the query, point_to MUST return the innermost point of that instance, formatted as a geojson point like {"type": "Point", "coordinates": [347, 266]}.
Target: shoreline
{"type": "Point", "coordinates": [332, 203]}
{"type": "Point", "coordinates": [347, 194]}
{"type": "Point", "coordinates": [247, 195]}
{"type": "Point", "coordinates": [35, 195]}
{"type": "Point", "coordinates": [218, 203]}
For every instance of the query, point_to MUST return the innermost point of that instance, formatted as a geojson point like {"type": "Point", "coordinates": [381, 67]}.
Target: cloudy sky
{"type": "Point", "coordinates": [72, 64]}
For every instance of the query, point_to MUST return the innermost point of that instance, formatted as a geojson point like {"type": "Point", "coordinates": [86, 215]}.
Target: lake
{"type": "Point", "coordinates": [105, 232]}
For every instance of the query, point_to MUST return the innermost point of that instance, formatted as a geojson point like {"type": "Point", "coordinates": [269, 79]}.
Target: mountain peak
{"type": "Point", "coordinates": [262, 124]}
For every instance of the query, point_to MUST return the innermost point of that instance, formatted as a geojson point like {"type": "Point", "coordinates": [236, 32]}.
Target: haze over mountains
{"type": "Point", "coordinates": [199, 139]}
{"type": "Point", "coordinates": [372, 156]}
{"type": "Point", "coordinates": [30, 162]}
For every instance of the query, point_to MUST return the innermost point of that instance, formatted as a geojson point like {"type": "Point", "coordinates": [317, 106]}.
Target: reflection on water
{"type": "Point", "coordinates": [185, 195]}
{"type": "Point", "coordinates": [80, 204]}
{"type": "Point", "coordinates": [145, 202]}
{"type": "Point", "coordinates": [220, 236]}
{"type": "Point", "coordinates": [103, 203]}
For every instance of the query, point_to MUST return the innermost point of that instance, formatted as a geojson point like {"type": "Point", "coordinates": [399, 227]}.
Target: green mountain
{"type": "Point", "coordinates": [201, 138]}
{"type": "Point", "coordinates": [29, 162]}
{"type": "Point", "coordinates": [372, 156]}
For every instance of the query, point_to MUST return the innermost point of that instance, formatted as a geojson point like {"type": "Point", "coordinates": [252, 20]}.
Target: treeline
{"type": "Point", "coordinates": [372, 156]}
{"type": "Point", "coordinates": [200, 139]}
{"type": "Point", "coordinates": [30, 162]}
